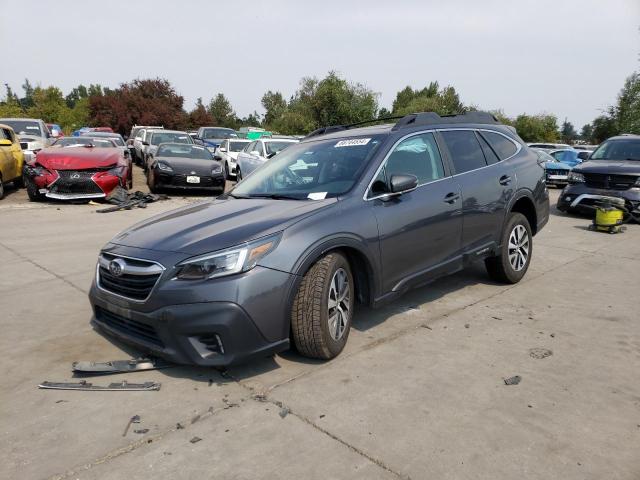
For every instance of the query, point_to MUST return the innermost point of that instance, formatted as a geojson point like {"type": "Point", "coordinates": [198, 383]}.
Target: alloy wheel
{"type": "Point", "coordinates": [518, 247]}
{"type": "Point", "coordinates": [338, 304]}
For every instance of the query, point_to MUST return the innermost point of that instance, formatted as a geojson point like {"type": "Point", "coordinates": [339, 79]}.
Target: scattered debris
{"type": "Point", "coordinates": [322, 416]}
{"type": "Point", "coordinates": [179, 426]}
{"type": "Point", "coordinates": [134, 419]}
{"type": "Point", "coordinates": [284, 411]}
{"type": "Point", "coordinates": [195, 439]}
{"type": "Point", "coordinates": [141, 431]}
{"type": "Point", "coordinates": [118, 366]}
{"type": "Point", "coordinates": [123, 200]}
{"type": "Point", "coordinates": [61, 401]}
{"type": "Point", "coordinates": [195, 419]}
{"type": "Point", "coordinates": [83, 385]}
{"type": "Point", "coordinates": [513, 380]}
{"type": "Point", "coordinates": [426, 326]}
{"type": "Point", "coordinates": [466, 325]}
{"type": "Point", "coordinates": [260, 397]}
{"type": "Point", "coordinates": [530, 406]}
{"type": "Point", "coordinates": [540, 353]}
{"type": "Point", "coordinates": [552, 335]}
{"type": "Point", "coordinates": [210, 381]}
{"type": "Point", "coordinates": [226, 431]}
{"type": "Point", "coordinates": [496, 318]}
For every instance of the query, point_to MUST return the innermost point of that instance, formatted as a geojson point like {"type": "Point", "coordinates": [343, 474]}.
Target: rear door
{"type": "Point", "coordinates": [420, 230]}
{"type": "Point", "coordinates": [6, 158]}
{"type": "Point", "coordinates": [486, 182]}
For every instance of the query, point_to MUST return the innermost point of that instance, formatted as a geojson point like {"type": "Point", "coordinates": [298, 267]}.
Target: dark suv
{"type": "Point", "coordinates": [347, 215]}
{"type": "Point", "coordinates": [612, 170]}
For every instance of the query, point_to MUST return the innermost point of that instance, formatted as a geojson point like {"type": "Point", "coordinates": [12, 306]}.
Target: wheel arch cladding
{"type": "Point", "coordinates": [526, 207]}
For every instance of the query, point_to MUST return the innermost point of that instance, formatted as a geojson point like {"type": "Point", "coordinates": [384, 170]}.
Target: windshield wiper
{"type": "Point", "coordinates": [275, 196]}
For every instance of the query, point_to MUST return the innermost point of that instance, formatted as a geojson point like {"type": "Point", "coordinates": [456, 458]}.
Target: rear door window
{"type": "Point", "coordinates": [489, 155]}
{"type": "Point", "coordinates": [466, 152]}
{"type": "Point", "coordinates": [504, 147]}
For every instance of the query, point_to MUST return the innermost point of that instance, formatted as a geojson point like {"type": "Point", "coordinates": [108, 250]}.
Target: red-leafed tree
{"type": "Point", "coordinates": [199, 117]}
{"type": "Point", "coordinates": [140, 102]}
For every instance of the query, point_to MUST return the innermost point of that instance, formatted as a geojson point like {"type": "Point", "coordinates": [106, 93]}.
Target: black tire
{"type": "Point", "coordinates": [238, 174]}
{"type": "Point", "coordinates": [1, 188]}
{"type": "Point", "coordinates": [500, 268]}
{"type": "Point", "coordinates": [310, 313]}
{"type": "Point", "coordinates": [227, 175]}
{"type": "Point", "coordinates": [32, 190]}
{"type": "Point", "coordinates": [18, 182]}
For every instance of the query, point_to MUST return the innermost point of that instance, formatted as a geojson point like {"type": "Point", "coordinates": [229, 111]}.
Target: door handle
{"type": "Point", "coordinates": [505, 180]}
{"type": "Point", "coordinates": [451, 198]}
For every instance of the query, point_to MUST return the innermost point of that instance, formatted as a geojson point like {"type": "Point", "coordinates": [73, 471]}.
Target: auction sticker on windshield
{"type": "Point", "coordinates": [353, 142]}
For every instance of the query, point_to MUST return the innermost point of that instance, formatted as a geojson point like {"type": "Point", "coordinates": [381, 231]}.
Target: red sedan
{"type": "Point", "coordinates": [75, 173]}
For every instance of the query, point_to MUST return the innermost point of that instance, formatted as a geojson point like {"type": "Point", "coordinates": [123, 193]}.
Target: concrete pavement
{"type": "Point", "coordinates": [418, 392]}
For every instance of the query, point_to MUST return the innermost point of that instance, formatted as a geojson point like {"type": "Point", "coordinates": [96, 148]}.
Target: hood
{"type": "Point", "coordinates": [233, 155]}
{"type": "Point", "coordinates": [617, 167]}
{"type": "Point", "coordinates": [210, 226]}
{"type": "Point", "coordinates": [35, 141]}
{"type": "Point", "coordinates": [187, 165]}
{"type": "Point", "coordinates": [556, 166]}
{"type": "Point", "coordinates": [78, 158]}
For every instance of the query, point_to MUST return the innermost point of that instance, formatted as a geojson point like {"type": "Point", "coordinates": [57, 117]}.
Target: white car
{"type": "Point", "coordinates": [33, 134]}
{"type": "Point", "coordinates": [258, 152]}
{"type": "Point", "coordinates": [227, 154]}
{"type": "Point", "coordinates": [153, 138]}
{"type": "Point", "coordinates": [140, 143]}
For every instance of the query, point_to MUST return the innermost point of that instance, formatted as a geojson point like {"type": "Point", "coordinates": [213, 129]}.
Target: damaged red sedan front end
{"type": "Point", "coordinates": [76, 173]}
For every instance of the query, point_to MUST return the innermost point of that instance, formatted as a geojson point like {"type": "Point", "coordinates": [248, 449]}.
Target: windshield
{"type": "Point", "coordinates": [314, 170]}
{"type": "Point", "coordinates": [184, 151]}
{"type": "Point", "coordinates": [82, 141]}
{"type": "Point", "coordinates": [24, 127]}
{"type": "Point", "coordinates": [164, 137]}
{"type": "Point", "coordinates": [237, 146]}
{"type": "Point", "coordinates": [542, 155]}
{"type": "Point", "coordinates": [624, 149]}
{"type": "Point", "coordinates": [570, 157]}
{"type": "Point", "coordinates": [274, 147]}
{"type": "Point", "coordinates": [218, 133]}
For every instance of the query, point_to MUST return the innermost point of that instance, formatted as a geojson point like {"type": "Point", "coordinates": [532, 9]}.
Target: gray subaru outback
{"type": "Point", "coordinates": [348, 216]}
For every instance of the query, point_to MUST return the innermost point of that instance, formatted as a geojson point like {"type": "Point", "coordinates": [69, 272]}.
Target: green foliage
{"type": "Point", "coordinates": [429, 99]}
{"type": "Point", "coordinates": [586, 133]}
{"type": "Point", "coordinates": [537, 128]}
{"type": "Point", "coordinates": [222, 112]}
{"type": "Point", "coordinates": [568, 132]}
{"type": "Point", "coordinates": [274, 104]}
{"type": "Point", "coordinates": [627, 110]}
{"type": "Point", "coordinates": [604, 126]}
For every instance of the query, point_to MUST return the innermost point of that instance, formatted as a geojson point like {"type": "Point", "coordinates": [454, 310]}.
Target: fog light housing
{"type": "Point", "coordinates": [208, 345]}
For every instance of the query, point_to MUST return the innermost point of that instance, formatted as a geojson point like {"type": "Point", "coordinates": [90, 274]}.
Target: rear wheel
{"type": "Point", "coordinates": [18, 182]}
{"type": "Point", "coordinates": [151, 182]}
{"type": "Point", "coordinates": [517, 246]}
{"type": "Point", "coordinates": [323, 308]}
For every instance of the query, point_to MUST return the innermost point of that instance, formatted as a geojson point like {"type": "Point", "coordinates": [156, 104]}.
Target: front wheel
{"type": "Point", "coordinates": [323, 308]}
{"type": "Point", "coordinates": [517, 246]}
{"type": "Point", "coordinates": [238, 174]}
{"type": "Point", "coordinates": [32, 189]}
{"type": "Point", "coordinates": [151, 181]}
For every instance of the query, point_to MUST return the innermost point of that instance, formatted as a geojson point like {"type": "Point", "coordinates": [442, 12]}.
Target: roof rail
{"type": "Point", "coordinates": [432, 118]}
{"type": "Point", "coordinates": [337, 128]}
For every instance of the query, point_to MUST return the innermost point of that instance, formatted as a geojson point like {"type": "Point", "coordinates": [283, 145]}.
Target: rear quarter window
{"type": "Point", "coordinates": [500, 144]}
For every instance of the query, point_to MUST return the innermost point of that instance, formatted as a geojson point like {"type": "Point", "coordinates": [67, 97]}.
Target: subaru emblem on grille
{"type": "Point", "coordinates": [116, 266]}
{"type": "Point", "coordinates": [75, 176]}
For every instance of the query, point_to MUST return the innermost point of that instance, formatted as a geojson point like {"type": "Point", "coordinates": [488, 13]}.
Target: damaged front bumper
{"type": "Point", "coordinates": [577, 197]}
{"type": "Point", "coordinates": [73, 184]}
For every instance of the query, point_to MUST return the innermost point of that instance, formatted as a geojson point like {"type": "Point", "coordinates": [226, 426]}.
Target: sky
{"type": "Point", "coordinates": [566, 57]}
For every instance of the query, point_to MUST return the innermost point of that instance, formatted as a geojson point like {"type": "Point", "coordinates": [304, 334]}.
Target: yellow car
{"type": "Point", "coordinates": [11, 158]}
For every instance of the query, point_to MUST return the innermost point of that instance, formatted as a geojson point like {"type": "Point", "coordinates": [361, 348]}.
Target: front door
{"type": "Point", "coordinates": [420, 230]}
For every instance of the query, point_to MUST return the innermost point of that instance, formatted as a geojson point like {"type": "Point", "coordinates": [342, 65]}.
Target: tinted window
{"type": "Point", "coordinates": [621, 149]}
{"type": "Point", "coordinates": [500, 144]}
{"type": "Point", "coordinates": [25, 127]}
{"type": "Point", "coordinates": [418, 155]}
{"type": "Point", "coordinates": [465, 150]}
{"type": "Point", "coordinates": [275, 147]}
{"type": "Point", "coordinates": [489, 155]}
{"type": "Point", "coordinates": [236, 146]}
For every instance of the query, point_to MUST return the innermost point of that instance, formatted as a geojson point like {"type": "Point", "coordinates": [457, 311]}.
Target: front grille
{"type": "Point", "coordinates": [75, 182]}
{"type": "Point", "coordinates": [134, 286]}
{"type": "Point", "coordinates": [129, 327]}
{"type": "Point", "coordinates": [609, 182]}
{"type": "Point", "coordinates": [557, 172]}
{"type": "Point", "coordinates": [24, 145]}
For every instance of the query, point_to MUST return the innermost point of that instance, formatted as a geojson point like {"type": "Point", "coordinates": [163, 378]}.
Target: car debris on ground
{"type": "Point", "coordinates": [123, 200]}
{"type": "Point", "coordinates": [134, 419]}
{"type": "Point", "coordinates": [118, 366]}
{"type": "Point", "coordinates": [540, 353]}
{"type": "Point", "coordinates": [515, 380]}
{"type": "Point", "coordinates": [83, 385]}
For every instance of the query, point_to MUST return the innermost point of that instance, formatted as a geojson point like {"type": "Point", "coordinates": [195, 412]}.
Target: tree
{"type": "Point", "coordinates": [75, 95]}
{"type": "Point", "coordinates": [222, 112]}
{"type": "Point", "coordinates": [143, 102]}
{"type": "Point", "coordinates": [10, 106]}
{"type": "Point", "coordinates": [627, 110]}
{"type": "Point", "coordinates": [429, 99]}
{"type": "Point", "coordinates": [568, 132]}
{"type": "Point", "coordinates": [604, 126]}
{"type": "Point", "coordinates": [199, 117]}
{"type": "Point", "coordinates": [274, 104]}
{"type": "Point", "coordinates": [537, 128]}
{"type": "Point", "coordinates": [27, 101]}
{"type": "Point", "coordinates": [586, 133]}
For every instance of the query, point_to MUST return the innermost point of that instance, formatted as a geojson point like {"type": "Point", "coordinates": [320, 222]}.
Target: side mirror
{"type": "Point", "coordinates": [5, 143]}
{"type": "Point", "coordinates": [222, 149]}
{"type": "Point", "coordinates": [55, 133]}
{"type": "Point", "coordinates": [403, 183]}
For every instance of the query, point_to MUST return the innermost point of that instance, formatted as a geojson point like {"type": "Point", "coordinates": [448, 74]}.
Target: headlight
{"type": "Point", "coordinates": [216, 169]}
{"type": "Point", "coordinates": [227, 262]}
{"type": "Point", "coordinates": [164, 167]}
{"type": "Point", "coordinates": [117, 171]}
{"type": "Point", "coordinates": [575, 177]}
